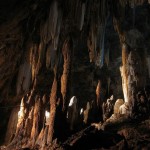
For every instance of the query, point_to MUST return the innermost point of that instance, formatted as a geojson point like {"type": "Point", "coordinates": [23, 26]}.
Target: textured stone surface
{"type": "Point", "coordinates": [29, 33]}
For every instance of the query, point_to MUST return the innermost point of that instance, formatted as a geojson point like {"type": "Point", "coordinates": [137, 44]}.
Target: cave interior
{"type": "Point", "coordinates": [74, 74]}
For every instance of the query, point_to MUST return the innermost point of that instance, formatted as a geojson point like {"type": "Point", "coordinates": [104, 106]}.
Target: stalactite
{"type": "Point", "coordinates": [24, 78]}
{"type": "Point", "coordinates": [67, 54]}
{"type": "Point", "coordinates": [88, 10]}
{"type": "Point", "coordinates": [80, 15]}
{"type": "Point", "coordinates": [102, 48]}
{"type": "Point", "coordinates": [107, 58]}
{"type": "Point", "coordinates": [58, 27]}
{"type": "Point", "coordinates": [98, 94]}
{"type": "Point", "coordinates": [137, 2]}
{"type": "Point", "coordinates": [53, 17]}
{"type": "Point", "coordinates": [50, 56]}
{"type": "Point", "coordinates": [148, 64]}
{"type": "Point", "coordinates": [45, 33]}
{"type": "Point", "coordinates": [133, 6]}
{"type": "Point", "coordinates": [41, 58]}
{"type": "Point", "coordinates": [108, 85]}
{"type": "Point", "coordinates": [123, 3]}
{"type": "Point", "coordinates": [51, 30]}
{"type": "Point", "coordinates": [33, 59]}
{"type": "Point", "coordinates": [103, 10]}
{"type": "Point", "coordinates": [72, 7]}
{"type": "Point", "coordinates": [96, 39]}
{"type": "Point", "coordinates": [92, 43]}
{"type": "Point", "coordinates": [118, 28]}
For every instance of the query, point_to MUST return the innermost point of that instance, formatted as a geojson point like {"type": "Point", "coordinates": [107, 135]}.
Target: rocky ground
{"type": "Point", "coordinates": [121, 134]}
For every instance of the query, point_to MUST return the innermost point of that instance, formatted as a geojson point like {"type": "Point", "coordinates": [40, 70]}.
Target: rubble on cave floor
{"type": "Point", "coordinates": [127, 134]}
{"type": "Point", "coordinates": [120, 134]}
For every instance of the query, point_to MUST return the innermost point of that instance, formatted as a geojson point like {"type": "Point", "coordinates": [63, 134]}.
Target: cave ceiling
{"type": "Point", "coordinates": [23, 24]}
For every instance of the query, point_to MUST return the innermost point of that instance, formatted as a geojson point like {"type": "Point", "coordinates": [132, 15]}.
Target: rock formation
{"type": "Point", "coordinates": [52, 50]}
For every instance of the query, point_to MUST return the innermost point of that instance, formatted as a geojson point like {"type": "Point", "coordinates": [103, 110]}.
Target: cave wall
{"type": "Point", "coordinates": [35, 57]}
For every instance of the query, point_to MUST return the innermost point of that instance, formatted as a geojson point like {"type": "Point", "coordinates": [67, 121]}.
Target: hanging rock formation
{"type": "Point", "coordinates": [52, 50]}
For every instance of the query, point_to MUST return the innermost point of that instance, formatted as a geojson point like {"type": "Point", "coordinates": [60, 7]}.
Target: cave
{"type": "Point", "coordinates": [74, 74]}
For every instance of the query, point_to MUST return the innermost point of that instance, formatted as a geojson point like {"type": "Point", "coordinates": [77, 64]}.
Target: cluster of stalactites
{"type": "Point", "coordinates": [99, 12]}
{"type": "Point", "coordinates": [98, 19]}
{"type": "Point", "coordinates": [51, 29]}
{"type": "Point", "coordinates": [44, 53]}
{"type": "Point", "coordinates": [76, 11]}
{"type": "Point", "coordinates": [132, 3]}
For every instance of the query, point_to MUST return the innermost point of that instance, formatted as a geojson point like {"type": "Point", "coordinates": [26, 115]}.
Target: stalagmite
{"type": "Point", "coordinates": [133, 64]}
{"type": "Point", "coordinates": [86, 113]}
{"type": "Point", "coordinates": [19, 134]}
{"type": "Point", "coordinates": [124, 109]}
{"type": "Point", "coordinates": [123, 71]}
{"type": "Point", "coordinates": [29, 124]}
{"type": "Point", "coordinates": [117, 105]}
{"type": "Point", "coordinates": [47, 115]}
{"type": "Point", "coordinates": [72, 112]}
{"type": "Point", "coordinates": [53, 100]}
{"type": "Point", "coordinates": [12, 125]}
{"type": "Point", "coordinates": [135, 80]}
{"type": "Point", "coordinates": [36, 121]}
{"type": "Point", "coordinates": [21, 113]}
{"type": "Point", "coordinates": [41, 140]}
{"type": "Point", "coordinates": [81, 111]}
{"type": "Point", "coordinates": [124, 85]}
